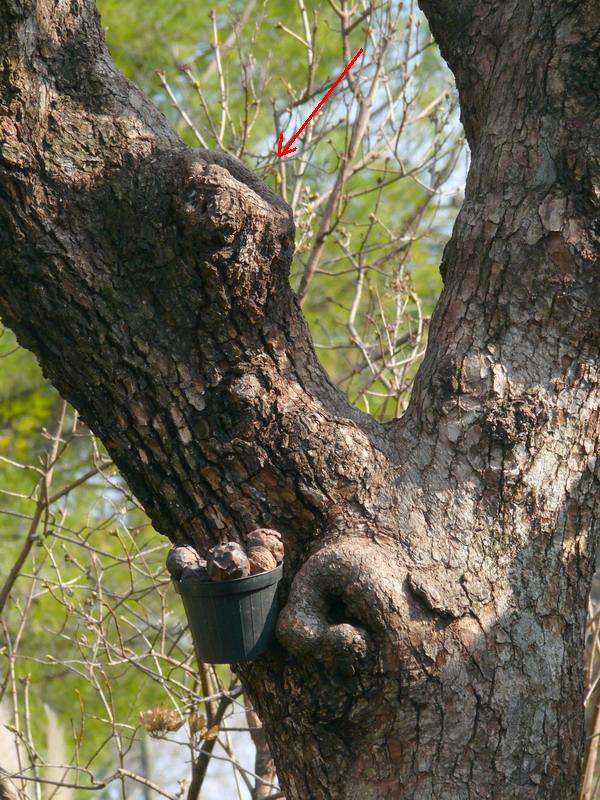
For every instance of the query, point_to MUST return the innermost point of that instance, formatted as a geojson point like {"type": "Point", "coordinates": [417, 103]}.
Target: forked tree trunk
{"type": "Point", "coordinates": [437, 566]}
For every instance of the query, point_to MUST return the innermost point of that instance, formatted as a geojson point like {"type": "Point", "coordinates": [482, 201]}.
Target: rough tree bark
{"type": "Point", "coordinates": [437, 566]}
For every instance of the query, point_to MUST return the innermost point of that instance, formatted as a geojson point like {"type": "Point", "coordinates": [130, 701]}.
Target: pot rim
{"type": "Point", "coordinates": [208, 588]}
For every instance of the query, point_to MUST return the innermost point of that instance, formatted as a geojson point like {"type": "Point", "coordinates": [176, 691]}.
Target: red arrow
{"type": "Point", "coordinates": [285, 151]}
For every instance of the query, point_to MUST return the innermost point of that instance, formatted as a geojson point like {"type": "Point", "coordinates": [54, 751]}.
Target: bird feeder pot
{"type": "Point", "coordinates": [234, 620]}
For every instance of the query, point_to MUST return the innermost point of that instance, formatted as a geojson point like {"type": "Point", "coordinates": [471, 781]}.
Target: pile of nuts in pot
{"type": "Point", "coordinates": [263, 551]}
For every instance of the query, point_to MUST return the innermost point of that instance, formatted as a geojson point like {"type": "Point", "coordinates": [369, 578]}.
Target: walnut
{"type": "Point", "coordinates": [195, 572]}
{"type": "Point", "coordinates": [182, 557]}
{"type": "Point", "coordinates": [268, 538]}
{"type": "Point", "coordinates": [261, 560]}
{"type": "Point", "coordinates": [227, 561]}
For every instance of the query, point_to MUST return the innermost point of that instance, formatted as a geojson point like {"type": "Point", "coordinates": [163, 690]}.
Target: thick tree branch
{"type": "Point", "coordinates": [514, 340]}
{"type": "Point", "coordinates": [165, 270]}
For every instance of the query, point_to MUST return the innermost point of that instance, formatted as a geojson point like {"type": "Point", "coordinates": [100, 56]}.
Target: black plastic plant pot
{"type": "Point", "coordinates": [232, 620]}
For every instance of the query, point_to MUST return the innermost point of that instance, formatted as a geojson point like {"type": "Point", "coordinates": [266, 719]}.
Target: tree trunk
{"type": "Point", "coordinates": [437, 567]}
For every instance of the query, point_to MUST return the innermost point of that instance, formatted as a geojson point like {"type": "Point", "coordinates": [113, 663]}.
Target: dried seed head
{"type": "Point", "coordinates": [226, 562]}
{"type": "Point", "coordinates": [261, 560]}
{"type": "Point", "coordinates": [268, 538]}
{"type": "Point", "coordinates": [181, 557]}
{"type": "Point", "coordinates": [160, 719]}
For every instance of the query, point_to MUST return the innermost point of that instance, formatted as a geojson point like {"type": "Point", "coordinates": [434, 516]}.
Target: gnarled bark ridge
{"type": "Point", "coordinates": [437, 566]}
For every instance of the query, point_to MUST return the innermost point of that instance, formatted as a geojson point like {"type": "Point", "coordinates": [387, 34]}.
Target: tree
{"type": "Point", "coordinates": [437, 565]}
